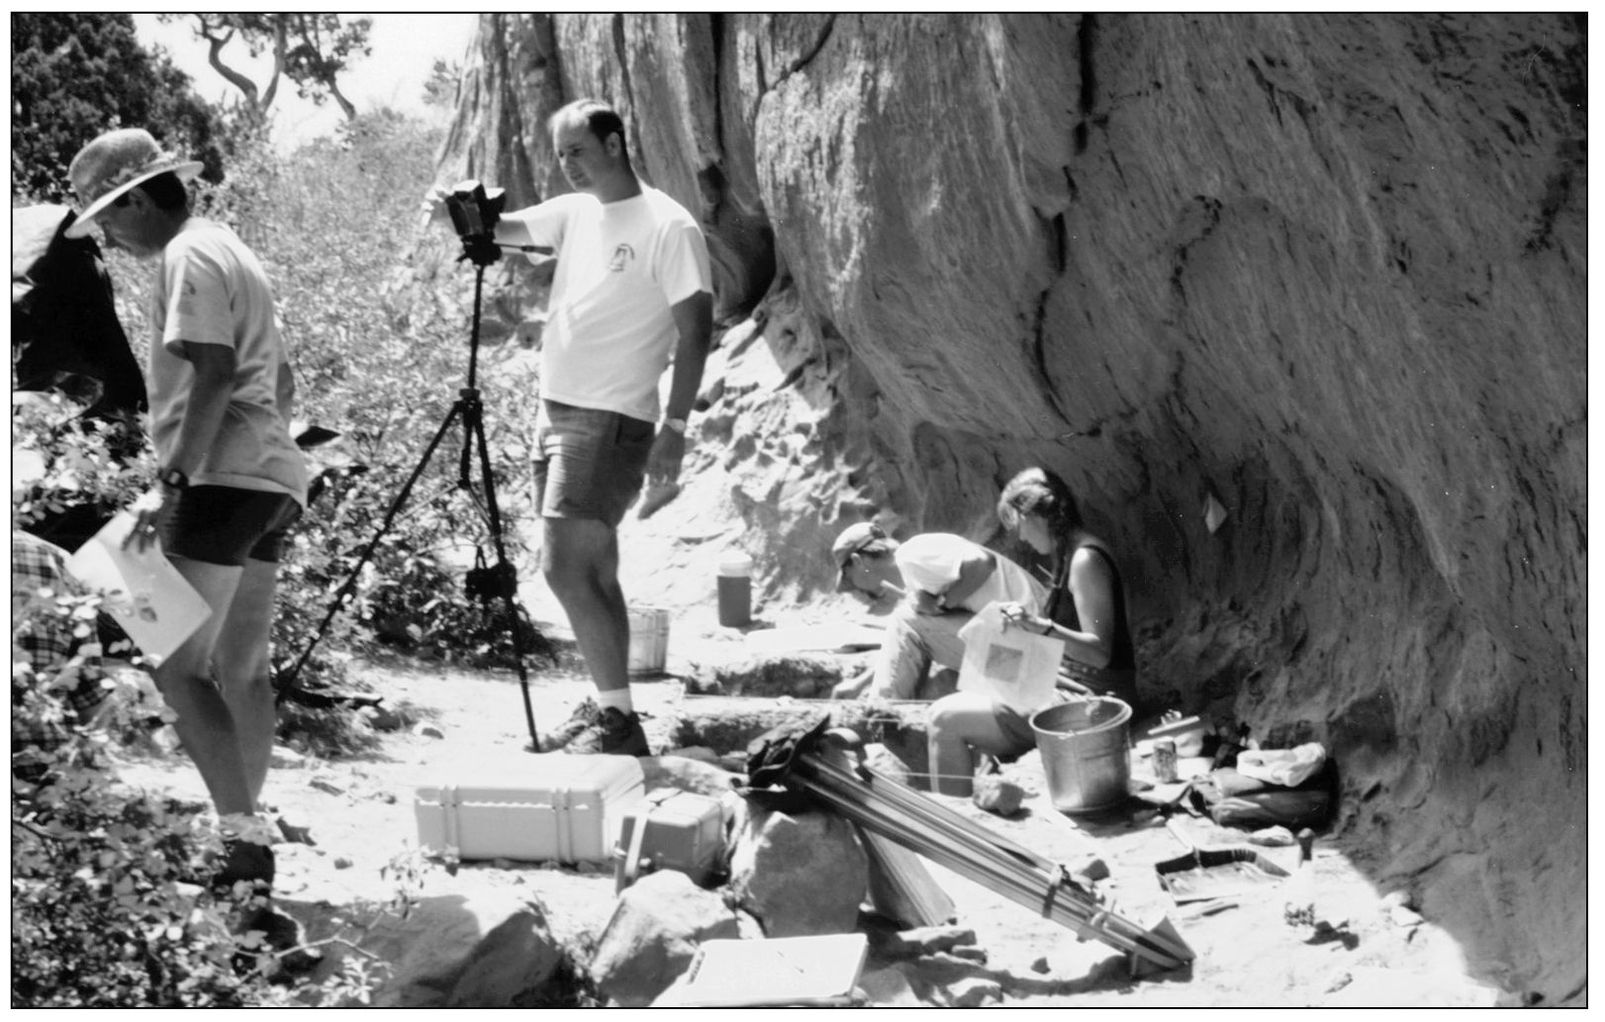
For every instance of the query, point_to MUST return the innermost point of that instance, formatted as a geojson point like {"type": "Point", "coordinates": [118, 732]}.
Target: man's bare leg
{"type": "Point", "coordinates": [205, 724]}
{"type": "Point", "coordinates": [580, 559]}
{"type": "Point", "coordinates": [244, 671]}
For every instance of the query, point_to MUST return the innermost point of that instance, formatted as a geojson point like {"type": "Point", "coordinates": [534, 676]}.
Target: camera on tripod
{"type": "Point", "coordinates": [474, 212]}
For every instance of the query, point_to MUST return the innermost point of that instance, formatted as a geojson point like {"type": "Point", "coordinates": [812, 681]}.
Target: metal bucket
{"type": "Point", "coordinates": [1086, 756]}
{"type": "Point", "coordinates": [649, 640]}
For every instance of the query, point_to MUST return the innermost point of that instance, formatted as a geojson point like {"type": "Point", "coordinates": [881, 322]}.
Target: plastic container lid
{"type": "Point", "coordinates": [735, 564]}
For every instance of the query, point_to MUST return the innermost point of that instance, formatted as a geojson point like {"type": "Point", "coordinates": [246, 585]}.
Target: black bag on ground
{"type": "Point", "coordinates": [1233, 800]}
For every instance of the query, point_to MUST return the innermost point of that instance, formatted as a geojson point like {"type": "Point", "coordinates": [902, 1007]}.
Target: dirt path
{"type": "Point", "coordinates": [359, 812]}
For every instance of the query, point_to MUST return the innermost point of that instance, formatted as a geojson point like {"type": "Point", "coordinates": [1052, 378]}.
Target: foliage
{"type": "Point", "coordinates": [74, 76]}
{"type": "Point", "coordinates": [62, 462]}
{"type": "Point", "coordinates": [310, 49]}
{"type": "Point", "coordinates": [440, 88]}
{"type": "Point", "coordinates": [108, 904]}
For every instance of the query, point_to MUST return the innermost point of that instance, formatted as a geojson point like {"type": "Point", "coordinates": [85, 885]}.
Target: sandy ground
{"type": "Point", "coordinates": [360, 814]}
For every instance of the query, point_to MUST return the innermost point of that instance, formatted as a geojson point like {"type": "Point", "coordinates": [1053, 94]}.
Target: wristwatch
{"type": "Point", "coordinates": [173, 479]}
{"type": "Point", "coordinates": [678, 425]}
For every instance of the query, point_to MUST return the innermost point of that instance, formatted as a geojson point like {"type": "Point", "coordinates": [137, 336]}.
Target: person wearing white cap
{"type": "Point", "coordinates": [937, 582]}
{"type": "Point", "coordinates": [231, 479]}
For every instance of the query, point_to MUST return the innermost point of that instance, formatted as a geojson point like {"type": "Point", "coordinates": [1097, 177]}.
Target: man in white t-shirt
{"type": "Point", "coordinates": [633, 288]}
{"type": "Point", "coordinates": [938, 581]}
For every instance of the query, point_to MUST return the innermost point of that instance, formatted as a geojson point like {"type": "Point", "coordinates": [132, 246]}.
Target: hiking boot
{"type": "Point", "coordinates": [615, 733]}
{"type": "Point", "coordinates": [245, 860]}
{"type": "Point", "coordinates": [584, 716]}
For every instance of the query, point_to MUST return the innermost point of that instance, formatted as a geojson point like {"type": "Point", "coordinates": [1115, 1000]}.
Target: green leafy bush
{"type": "Point", "coordinates": [109, 906]}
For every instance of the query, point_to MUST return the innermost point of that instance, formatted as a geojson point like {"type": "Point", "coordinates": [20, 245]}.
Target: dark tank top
{"type": "Point", "coordinates": [1118, 677]}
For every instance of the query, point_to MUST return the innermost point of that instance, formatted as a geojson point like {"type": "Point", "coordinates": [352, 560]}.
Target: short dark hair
{"type": "Point", "coordinates": [166, 191]}
{"type": "Point", "coordinates": [1037, 491]}
{"type": "Point", "coordinates": [598, 116]}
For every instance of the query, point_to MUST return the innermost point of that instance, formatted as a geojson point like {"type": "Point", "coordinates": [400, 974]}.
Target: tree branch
{"type": "Point", "coordinates": [279, 47]}
{"type": "Point", "coordinates": [233, 77]}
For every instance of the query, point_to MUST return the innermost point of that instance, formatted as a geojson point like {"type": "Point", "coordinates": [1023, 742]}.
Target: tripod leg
{"type": "Point", "coordinates": [476, 431]}
{"type": "Point", "coordinates": [287, 686]}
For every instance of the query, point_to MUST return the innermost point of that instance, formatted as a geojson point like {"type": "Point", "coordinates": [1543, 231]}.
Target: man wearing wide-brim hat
{"type": "Point", "coordinates": [231, 480]}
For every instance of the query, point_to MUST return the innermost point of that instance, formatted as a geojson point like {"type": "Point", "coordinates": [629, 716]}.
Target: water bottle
{"type": "Point", "coordinates": [735, 590]}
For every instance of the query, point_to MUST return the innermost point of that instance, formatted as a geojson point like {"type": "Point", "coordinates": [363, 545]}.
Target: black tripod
{"type": "Point", "coordinates": [499, 580]}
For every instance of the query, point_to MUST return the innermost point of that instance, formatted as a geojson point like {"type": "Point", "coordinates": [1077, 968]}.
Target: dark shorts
{"type": "Point", "coordinates": [227, 525]}
{"type": "Point", "coordinates": [590, 463]}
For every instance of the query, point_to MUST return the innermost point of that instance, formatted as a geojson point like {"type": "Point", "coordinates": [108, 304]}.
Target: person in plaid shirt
{"type": "Point", "coordinates": [43, 647]}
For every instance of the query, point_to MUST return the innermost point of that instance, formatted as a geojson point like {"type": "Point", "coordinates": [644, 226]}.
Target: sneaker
{"type": "Point", "coordinates": [584, 716]}
{"type": "Point", "coordinates": [615, 733]}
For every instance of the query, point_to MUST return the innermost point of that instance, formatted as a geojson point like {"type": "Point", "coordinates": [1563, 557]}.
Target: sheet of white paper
{"type": "Point", "coordinates": [821, 969]}
{"type": "Point", "coordinates": [1008, 663]}
{"type": "Point", "coordinates": [145, 594]}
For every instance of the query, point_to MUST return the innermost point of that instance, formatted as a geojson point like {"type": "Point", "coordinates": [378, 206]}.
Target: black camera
{"type": "Point", "coordinates": [475, 210]}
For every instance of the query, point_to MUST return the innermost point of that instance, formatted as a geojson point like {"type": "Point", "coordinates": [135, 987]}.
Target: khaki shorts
{"type": "Point", "coordinates": [589, 463]}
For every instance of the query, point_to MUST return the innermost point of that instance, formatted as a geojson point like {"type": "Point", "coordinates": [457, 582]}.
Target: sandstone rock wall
{"type": "Point", "coordinates": [1328, 270]}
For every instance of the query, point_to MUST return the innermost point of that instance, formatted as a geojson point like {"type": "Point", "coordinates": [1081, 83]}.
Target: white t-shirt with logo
{"type": "Point", "coordinates": [621, 266]}
{"type": "Point", "coordinates": [931, 561]}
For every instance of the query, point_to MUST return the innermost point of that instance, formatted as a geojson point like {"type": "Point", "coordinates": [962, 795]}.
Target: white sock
{"type": "Point", "coordinates": [619, 699]}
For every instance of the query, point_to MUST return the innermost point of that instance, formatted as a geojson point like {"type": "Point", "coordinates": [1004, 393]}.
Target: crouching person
{"type": "Point", "coordinates": [932, 583]}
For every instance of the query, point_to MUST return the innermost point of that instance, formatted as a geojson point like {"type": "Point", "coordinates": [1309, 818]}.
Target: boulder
{"type": "Point", "coordinates": [891, 986]}
{"type": "Point", "coordinates": [429, 948]}
{"type": "Point", "coordinates": [799, 874]}
{"type": "Point", "coordinates": [515, 965]}
{"type": "Point", "coordinates": [922, 940]}
{"type": "Point", "coordinates": [686, 774]}
{"type": "Point", "coordinates": [997, 794]}
{"type": "Point", "coordinates": [884, 761]}
{"type": "Point", "coordinates": [387, 718]}
{"type": "Point", "coordinates": [974, 992]}
{"type": "Point", "coordinates": [653, 934]}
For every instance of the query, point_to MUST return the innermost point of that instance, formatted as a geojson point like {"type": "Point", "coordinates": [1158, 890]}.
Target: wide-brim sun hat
{"type": "Point", "coordinates": [105, 170]}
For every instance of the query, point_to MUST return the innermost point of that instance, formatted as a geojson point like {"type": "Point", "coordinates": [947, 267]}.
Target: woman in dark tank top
{"type": "Point", "coordinates": [1086, 609]}
{"type": "Point", "coordinates": [1087, 605]}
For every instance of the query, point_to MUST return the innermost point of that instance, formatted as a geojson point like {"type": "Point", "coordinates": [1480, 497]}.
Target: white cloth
{"type": "Point", "coordinates": [621, 266]}
{"type": "Point", "coordinates": [931, 561]}
{"type": "Point", "coordinates": [1287, 767]}
{"type": "Point", "coordinates": [213, 290]}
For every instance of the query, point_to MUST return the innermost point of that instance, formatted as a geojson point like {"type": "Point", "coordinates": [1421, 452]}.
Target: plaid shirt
{"type": "Point", "coordinates": [42, 642]}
